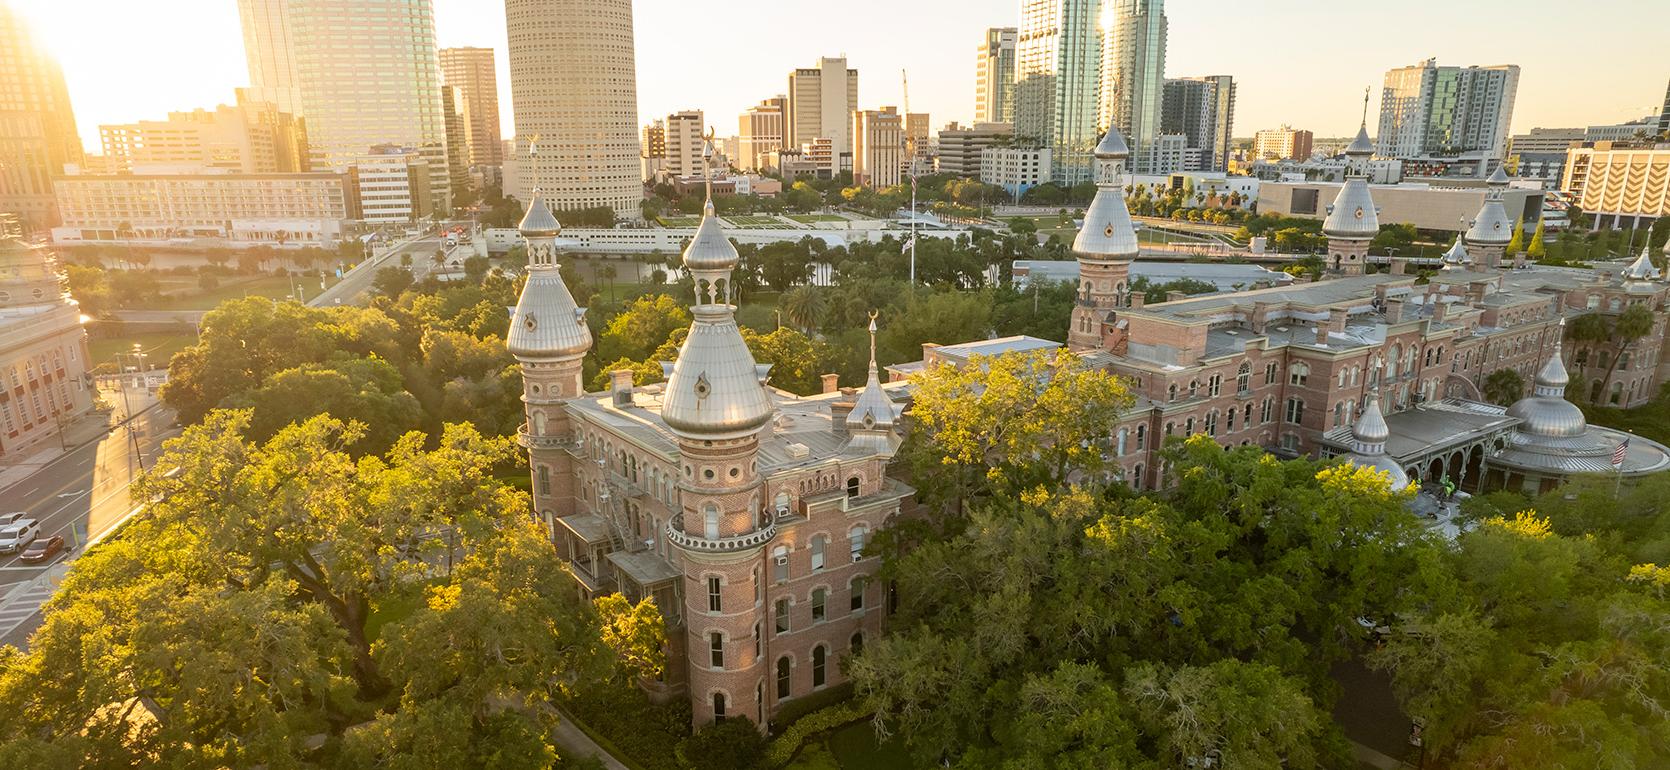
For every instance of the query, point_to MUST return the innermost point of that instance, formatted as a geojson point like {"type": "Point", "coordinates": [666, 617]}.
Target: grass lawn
{"type": "Point", "coordinates": [810, 219]}
{"type": "Point", "coordinates": [159, 347]}
{"type": "Point", "coordinates": [270, 286]}
{"type": "Point", "coordinates": [747, 220]}
{"type": "Point", "coordinates": [680, 221]}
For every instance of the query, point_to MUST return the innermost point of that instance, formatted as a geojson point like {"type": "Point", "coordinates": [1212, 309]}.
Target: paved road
{"type": "Point", "coordinates": [188, 317]}
{"type": "Point", "coordinates": [79, 495]}
{"type": "Point", "coordinates": [357, 282]}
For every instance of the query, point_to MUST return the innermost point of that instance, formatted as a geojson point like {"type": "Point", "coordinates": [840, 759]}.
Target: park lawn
{"type": "Point", "coordinates": [159, 347]}
{"type": "Point", "coordinates": [811, 219]}
{"type": "Point", "coordinates": [269, 286]}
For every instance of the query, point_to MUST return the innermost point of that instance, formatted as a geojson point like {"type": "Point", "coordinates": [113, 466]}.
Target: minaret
{"type": "Point", "coordinates": [715, 405]}
{"type": "Point", "coordinates": [1353, 220]}
{"type": "Point", "coordinates": [1457, 257]}
{"type": "Point", "coordinates": [549, 337]}
{"type": "Point", "coordinates": [1368, 443]}
{"type": "Point", "coordinates": [1492, 230]}
{"type": "Point", "coordinates": [871, 421]}
{"type": "Point", "coordinates": [1104, 247]}
{"type": "Point", "coordinates": [1642, 269]}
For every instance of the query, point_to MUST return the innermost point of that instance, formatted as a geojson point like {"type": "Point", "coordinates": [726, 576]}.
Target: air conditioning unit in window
{"type": "Point", "coordinates": [782, 561]}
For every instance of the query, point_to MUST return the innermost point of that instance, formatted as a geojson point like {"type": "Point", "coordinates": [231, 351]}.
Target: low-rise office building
{"type": "Point", "coordinates": [294, 209]}
{"type": "Point", "coordinates": [1015, 169]}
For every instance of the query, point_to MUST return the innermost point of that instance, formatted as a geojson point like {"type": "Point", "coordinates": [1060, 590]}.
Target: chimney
{"type": "Point", "coordinates": [1336, 319]}
{"type": "Point", "coordinates": [1440, 309]}
{"type": "Point", "coordinates": [1136, 300]}
{"type": "Point", "coordinates": [1260, 316]}
{"type": "Point", "coordinates": [1321, 335]}
{"type": "Point", "coordinates": [838, 411]}
{"type": "Point", "coordinates": [928, 357]}
{"type": "Point", "coordinates": [620, 385]}
{"type": "Point", "coordinates": [831, 383]}
{"type": "Point", "coordinates": [1394, 311]}
{"type": "Point", "coordinates": [1175, 296]}
{"type": "Point", "coordinates": [1400, 266]}
{"type": "Point", "coordinates": [1519, 261]}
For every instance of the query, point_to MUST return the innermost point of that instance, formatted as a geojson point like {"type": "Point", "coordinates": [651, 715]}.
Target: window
{"type": "Point", "coordinates": [817, 552]}
{"type": "Point", "coordinates": [1295, 410]}
{"type": "Point", "coordinates": [819, 595]}
{"type": "Point", "coordinates": [780, 563]}
{"type": "Point", "coordinates": [783, 677]}
{"type": "Point", "coordinates": [856, 643]}
{"type": "Point", "coordinates": [1243, 378]}
{"type": "Point", "coordinates": [1247, 420]}
{"type": "Point", "coordinates": [1265, 410]}
{"type": "Point", "coordinates": [1212, 423]}
{"type": "Point", "coordinates": [757, 641]}
{"type": "Point", "coordinates": [1299, 374]}
{"type": "Point", "coordinates": [1189, 427]}
{"type": "Point", "coordinates": [544, 480]}
{"type": "Point", "coordinates": [857, 588]}
{"type": "Point", "coordinates": [713, 601]}
{"type": "Point", "coordinates": [857, 537]}
{"type": "Point", "coordinates": [782, 615]}
{"type": "Point", "coordinates": [1142, 437]}
{"type": "Point", "coordinates": [718, 707]}
{"type": "Point", "coordinates": [1229, 421]}
{"type": "Point", "coordinates": [1194, 386]}
{"type": "Point", "coordinates": [716, 649]}
{"type": "Point", "coordinates": [820, 656]}
{"type": "Point", "coordinates": [1214, 385]}
{"type": "Point", "coordinates": [759, 588]}
{"type": "Point", "coordinates": [710, 522]}
{"type": "Point", "coordinates": [1270, 371]}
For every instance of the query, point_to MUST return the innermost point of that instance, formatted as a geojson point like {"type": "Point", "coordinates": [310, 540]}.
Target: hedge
{"type": "Point", "coordinates": [797, 709]}
{"type": "Point", "coordinates": [783, 750]}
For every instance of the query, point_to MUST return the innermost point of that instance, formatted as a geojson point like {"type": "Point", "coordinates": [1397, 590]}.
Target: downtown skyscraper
{"type": "Point", "coordinates": [364, 76]}
{"type": "Point", "coordinates": [471, 71]}
{"type": "Point", "coordinates": [1058, 67]}
{"type": "Point", "coordinates": [1133, 74]}
{"type": "Point", "coordinates": [574, 87]}
{"type": "Point", "coordinates": [994, 77]}
{"type": "Point", "coordinates": [1426, 109]}
{"type": "Point", "coordinates": [37, 126]}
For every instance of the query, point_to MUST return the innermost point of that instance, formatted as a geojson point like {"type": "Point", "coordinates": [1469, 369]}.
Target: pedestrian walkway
{"type": "Point", "coordinates": [571, 739]}
{"type": "Point", "coordinates": [23, 600]}
{"type": "Point", "coordinates": [90, 427]}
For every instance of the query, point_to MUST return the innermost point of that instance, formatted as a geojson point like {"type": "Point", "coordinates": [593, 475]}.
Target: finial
{"type": "Point", "coordinates": [1365, 105]}
{"type": "Point", "coordinates": [873, 314]}
{"type": "Point", "coordinates": [707, 167]}
{"type": "Point", "coordinates": [533, 155]}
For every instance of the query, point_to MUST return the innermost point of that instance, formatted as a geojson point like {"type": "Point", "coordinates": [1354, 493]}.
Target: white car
{"type": "Point", "coordinates": [8, 519]}
{"type": "Point", "coordinates": [19, 534]}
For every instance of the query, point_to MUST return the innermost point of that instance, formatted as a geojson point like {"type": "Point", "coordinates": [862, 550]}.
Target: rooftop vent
{"type": "Point", "coordinates": [798, 451]}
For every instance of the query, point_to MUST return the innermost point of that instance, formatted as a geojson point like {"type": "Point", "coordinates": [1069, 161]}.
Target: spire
{"type": "Point", "coordinates": [1642, 269]}
{"type": "Point", "coordinates": [1492, 227]}
{"type": "Point", "coordinates": [1368, 440]}
{"type": "Point", "coordinates": [1456, 258]}
{"type": "Point", "coordinates": [874, 411]}
{"type": "Point", "coordinates": [1107, 233]}
{"type": "Point", "coordinates": [547, 323]}
{"type": "Point", "coordinates": [1552, 379]}
{"type": "Point", "coordinates": [714, 389]}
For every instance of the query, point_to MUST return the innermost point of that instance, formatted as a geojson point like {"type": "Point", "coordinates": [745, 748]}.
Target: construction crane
{"type": "Point", "coordinates": [910, 146]}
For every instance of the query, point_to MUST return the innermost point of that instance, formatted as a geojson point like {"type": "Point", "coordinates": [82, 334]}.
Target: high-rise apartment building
{"type": "Point", "coordinates": [760, 133]}
{"type": "Point", "coordinates": [1133, 74]}
{"type": "Point", "coordinates": [574, 84]}
{"type": "Point", "coordinates": [470, 70]}
{"type": "Point", "coordinates": [918, 144]}
{"type": "Point", "coordinates": [361, 74]}
{"type": "Point", "coordinates": [653, 160]}
{"type": "Point", "coordinates": [878, 147]}
{"type": "Point", "coordinates": [1202, 110]}
{"type": "Point", "coordinates": [1282, 143]}
{"type": "Point", "coordinates": [1428, 110]}
{"type": "Point", "coordinates": [1058, 66]}
{"type": "Point", "coordinates": [458, 151]}
{"type": "Point", "coordinates": [37, 126]}
{"type": "Point", "coordinates": [249, 138]}
{"type": "Point", "coordinates": [684, 132]}
{"type": "Point", "coordinates": [822, 100]}
{"type": "Point", "coordinates": [994, 77]}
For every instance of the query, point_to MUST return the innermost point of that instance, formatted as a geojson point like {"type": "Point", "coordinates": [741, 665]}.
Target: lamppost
{"type": "Point", "coordinates": [127, 405]}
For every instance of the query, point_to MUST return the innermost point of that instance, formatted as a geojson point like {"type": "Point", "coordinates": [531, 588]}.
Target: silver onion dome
{"type": "Point", "coordinates": [1368, 438]}
{"type": "Point", "coordinates": [710, 249]}
{"type": "Point", "coordinates": [1492, 226]}
{"type": "Point", "coordinates": [1546, 412]}
{"type": "Point", "coordinates": [1456, 258]}
{"type": "Point", "coordinates": [1107, 232]}
{"type": "Point", "coordinates": [539, 222]}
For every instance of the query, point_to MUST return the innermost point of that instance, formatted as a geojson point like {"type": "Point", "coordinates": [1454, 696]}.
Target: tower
{"type": "Point", "coordinates": [1368, 443]}
{"type": "Point", "coordinates": [1488, 237]}
{"type": "Point", "coordinates": [548, 335]}
{"type": "Point", "coordinates": [1104, 247]}
{"type": "Point", "coordinates": [1352, 220]}
{"type": "Point", "coordinates": [573, 81]}
{"type": "Point", "coordinates": [715, 404]}
{"type": "Point", "coordinates": [870, 423]}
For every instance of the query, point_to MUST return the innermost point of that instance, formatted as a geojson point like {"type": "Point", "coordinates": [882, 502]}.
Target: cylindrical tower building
{"type": "Point", "coordinates": [575, 91]}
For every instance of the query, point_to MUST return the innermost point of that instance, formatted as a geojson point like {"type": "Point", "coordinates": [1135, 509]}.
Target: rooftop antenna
{"type": "Point", "coordinates": [911, 146]}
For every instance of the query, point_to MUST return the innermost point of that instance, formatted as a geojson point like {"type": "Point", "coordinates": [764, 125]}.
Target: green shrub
{"type": "Point", "coordinates": [782, 750]}
{"type": "Point", "coordinates": [798, 708]}
{"type": "Point", "coordinates": [624, 721]}
{"type": "Point", "coordinates": [734, 744]}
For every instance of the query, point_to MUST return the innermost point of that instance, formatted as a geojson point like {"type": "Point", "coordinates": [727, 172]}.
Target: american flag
{"type": "Point", "coordinates": [1618, 454]}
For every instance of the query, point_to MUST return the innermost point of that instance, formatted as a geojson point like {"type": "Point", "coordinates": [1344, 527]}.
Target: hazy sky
{"type": "Point", "coordinates": [1302, 62]}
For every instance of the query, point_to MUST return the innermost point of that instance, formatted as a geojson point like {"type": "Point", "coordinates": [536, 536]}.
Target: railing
{"type": "Point", "coordinates": [527, 439]}
{"type": "Point", "coordinates": [676, 533]}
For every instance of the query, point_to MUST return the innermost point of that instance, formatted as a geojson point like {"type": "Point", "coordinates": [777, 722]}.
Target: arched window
{"type": "Point", "coordinates": [1189, 426]}
{"type": "Point", "coordinates": [710, 521]}
{"type": "Point", "coordinates": [818, 542]}
{"type": "Point", "coordinates": [852, 486]}
{"type": "Point", "coordinates": [1171, 392]}
{"type": "Point", "coordinates": [544, 480]}
{"type": "Point", "coordinates": [783, 677]}
{"type": "Point", "coordinates": [1214, 385]}
{"type": "Point", "coordinates": [780, 563]}
{"type": "Point", "coordinates": [820, 597]}
{"type": "Point", "coordinates": [857, 537]}
{"type": "Point", "coordinates": [1392, 362]}
{"type": "Point", "coordinates": [856, 589]}
{"type": "Point", "coordinates": [1298, 374]}
{"type": "Point", "coordinates": [1212, 423]}
{"type": "Point", "coordinates": [1295, 410]}
{"type": "Point", "coordinates": [1270, 371]}
{"type": "Point", "coordinates": [780, 613]}
{"type": "Point", "coordinates": [716, 650]}
{"type": "Point", "coordinates": [1136, 477]}
{"type": "Point", "coordinates": [856, 643]}
{"type": "Point", "coordinates": [1142, 437]}
{"type": "Point", "coordinates": [820, 655]}
{"type": "Point", "coordinates": [718, 707]}
{"type": "Point", "coordinates": [1229, 420]}
{"type": "Point", "coordinates": [1243, 378]}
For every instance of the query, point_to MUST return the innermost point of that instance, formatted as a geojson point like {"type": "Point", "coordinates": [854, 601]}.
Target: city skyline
{"type": "Point", "coordinates": [198, 58]}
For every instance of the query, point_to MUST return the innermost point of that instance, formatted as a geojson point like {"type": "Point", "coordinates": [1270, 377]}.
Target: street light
{"type": "Point", "coordinates": [127, 405]}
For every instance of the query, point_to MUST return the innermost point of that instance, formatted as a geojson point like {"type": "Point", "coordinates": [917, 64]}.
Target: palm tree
{"type": "Point", "coordinates": [804, 306]}
{"type": "Point", "coordinates": [610, 272]}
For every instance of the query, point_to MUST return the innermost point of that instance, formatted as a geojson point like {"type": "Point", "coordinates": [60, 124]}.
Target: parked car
{"type": "Point", "coordinates": [43, 549]}
{"type": "Point", "coordinates": [18, 534]}
{"type": "Point", "coordinates": [8, 519]}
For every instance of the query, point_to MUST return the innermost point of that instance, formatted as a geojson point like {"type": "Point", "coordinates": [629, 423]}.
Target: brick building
{"type": "Point", "coordinates": [742, 509]}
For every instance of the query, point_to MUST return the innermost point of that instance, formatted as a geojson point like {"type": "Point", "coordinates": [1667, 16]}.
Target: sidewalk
{"type": "Point", "coordinates": [91, 427]}
{"type": "Point", "coordinates": [571, 739]}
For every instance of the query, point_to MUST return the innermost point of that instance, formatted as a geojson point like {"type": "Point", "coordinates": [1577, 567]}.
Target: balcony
{"type": "Point", "coordinates": [527, 439]}
{"type": "Point", "coordinates": [755, 539]}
